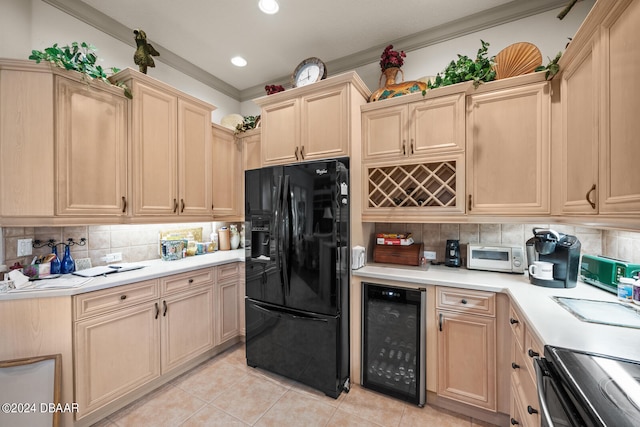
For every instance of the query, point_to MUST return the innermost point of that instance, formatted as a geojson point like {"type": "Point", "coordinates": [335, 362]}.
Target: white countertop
{"type": "Point", "coordinates": [152, 269]}
{"type": "Point", "coordinates": [550, 322]}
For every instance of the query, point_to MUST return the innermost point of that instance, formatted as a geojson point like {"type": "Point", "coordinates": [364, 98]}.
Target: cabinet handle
{"type": "Point", "coordinates": [514, 365]}
{"type": "Point", "coordinates": [164, 306]}
{"type": "Point", "coordinates": [123, 297]}
{"type": "Point", "coordinates": [532, 353]}
{"type": "Point", "coordinates": [181, 205]}
{"type": "Point", "coordinates": [175, 205]}
{"type": "Point", "coordinates": [302, 152]}
{"type": "Point", "coordinates": [591, 190]}
{"type": "Point", "coordinates": [513, 321]}
{"type": "Point", "coordinates": [514, 422]}
{"type": "Point", "coordinates": [469, 203]}
{"type": "Point", "coordinates": [124, 204]}
{"type": "Point", "coordinates": [296, 153]}
{"type": "Point", "coordinates": [531, 411]}
{"type": "Point", "coordinates": [463, 301]}
{"type": "Point", "coordinates": [440, 322]}
{"type": "Point", "coordinates": [404, 150]}
{"type": "Point", "coordinates": [157, 310]}
{"type": "Point", "coordinates": [411, 147]}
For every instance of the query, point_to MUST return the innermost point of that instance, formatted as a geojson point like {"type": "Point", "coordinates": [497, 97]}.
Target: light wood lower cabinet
{"type": "Point", "coordinates": [467, 346]}
{"type": "Point", "coordinates": [128, 336]}
{"type": "Point", "coordinates": [524, 405]}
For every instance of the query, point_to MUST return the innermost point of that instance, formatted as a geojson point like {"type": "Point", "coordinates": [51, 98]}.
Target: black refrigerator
{"type": "Point", "coordinates": [297, 272]}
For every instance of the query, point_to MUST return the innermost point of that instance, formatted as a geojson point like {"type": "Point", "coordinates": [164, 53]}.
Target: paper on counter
{"type": "Point", "coordinates": [19, 279]}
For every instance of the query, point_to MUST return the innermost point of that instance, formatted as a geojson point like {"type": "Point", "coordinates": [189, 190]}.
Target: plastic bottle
{"type": "Point", "coordinates": [625, 289]}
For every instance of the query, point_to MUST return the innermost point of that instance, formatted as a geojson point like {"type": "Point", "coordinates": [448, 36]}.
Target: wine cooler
{"type": "Point", "coordinates": [394, 341]}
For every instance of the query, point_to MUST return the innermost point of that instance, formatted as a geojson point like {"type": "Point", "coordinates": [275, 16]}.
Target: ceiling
{"type": "Point", "coordinates": [199, 37]}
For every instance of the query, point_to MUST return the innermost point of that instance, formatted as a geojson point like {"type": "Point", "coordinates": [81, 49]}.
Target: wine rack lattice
{"type": "Point", "coordinates": [423, 184]}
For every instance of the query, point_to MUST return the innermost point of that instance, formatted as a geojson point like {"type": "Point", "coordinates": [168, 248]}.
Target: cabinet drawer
{"type": "Point", "coordinates": [227, 272]}
{"type": "Point", "coordinates": [183, 281]}
{"type": "Point", "coordinates": [525, 391]}
{"type": "Point", "coordinates": [466, 300]}
{"type": "Point", "coordinates": [532, 348]}
{"type": "Point", "coordinates": [517, 327]}
{"type": "Point", "coordinates": [99, 302]}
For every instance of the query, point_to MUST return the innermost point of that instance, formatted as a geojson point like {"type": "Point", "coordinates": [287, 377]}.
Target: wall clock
{"type": "Point", "coordinates": [309, 71]}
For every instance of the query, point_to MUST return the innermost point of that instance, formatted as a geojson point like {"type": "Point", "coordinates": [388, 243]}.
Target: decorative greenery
{"type": "Point", "coordinates": [464, 69]}
{"type": "Point", "coordinates": [552, 67]}
{"type": "Point", "coordinates": [249, 122]}
{"type": "Point", "coordinates": [391, 58]}
{"type": "Point", "coordinates": [79, 57]}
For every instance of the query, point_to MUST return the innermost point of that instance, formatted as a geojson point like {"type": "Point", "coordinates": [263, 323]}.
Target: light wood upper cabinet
{"type": "Point", "coordinates": [311, 122]}
{"type": "Point", "coordinates": [251, 154]}
{"type": "Point", "coordinates": [91, 141]}
{"type": "Point", "coordinates": [26, 137]}
{"type": "Point", "coordinates": [431, 125]}
{"type": "Point", "coordinates": [228, 174]}
{"type": "Point", "coordinates": [171, 150]}
{"type": "Point", "coordinates": [508, 148]}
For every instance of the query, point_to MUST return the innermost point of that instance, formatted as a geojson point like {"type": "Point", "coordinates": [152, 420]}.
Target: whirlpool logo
{"type": "Point", "coordinates": [321, 171]}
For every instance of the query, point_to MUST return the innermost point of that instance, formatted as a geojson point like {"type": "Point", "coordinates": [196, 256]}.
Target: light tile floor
{"type": "Point", "coordinates": [224, 391]}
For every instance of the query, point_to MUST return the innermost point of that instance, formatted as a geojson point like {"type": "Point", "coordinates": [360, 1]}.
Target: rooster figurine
{"type": "Point", "coordinates": [144, 54]}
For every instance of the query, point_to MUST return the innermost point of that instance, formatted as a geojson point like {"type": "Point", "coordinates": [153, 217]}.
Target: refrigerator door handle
{"type": "Point", "coordinates": [275, 227]}
{"type": "Point", "coordinates": [285, 234]}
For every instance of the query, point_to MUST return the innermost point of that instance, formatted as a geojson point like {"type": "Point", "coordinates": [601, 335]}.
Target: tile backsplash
{"type": "Point", "coordinates": [135, 242]}
{"type": "Point", "coordinates": [617, 244]}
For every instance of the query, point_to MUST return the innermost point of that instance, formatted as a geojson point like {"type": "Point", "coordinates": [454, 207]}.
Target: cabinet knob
{"type": "Point", "coordinates": [531, 411]}
{"type": "Point", "coordinates": [464, 301]}
{"type": "Point", "coordinates": [190, 280]}
{"type": "Point", "coordinates": [514, 365]}
{"type": "Point", "coordinates": [123, 297]}
{"type": "Point", "coordinates": [513, 321]}
{"type": "Point", "coordinates": [514, 422]}
{"type": "Point", "coordinates": [532, 353]}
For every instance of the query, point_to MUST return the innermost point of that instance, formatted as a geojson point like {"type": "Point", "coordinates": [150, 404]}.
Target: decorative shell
{"type": "Point", "coordinates": [517, 59]}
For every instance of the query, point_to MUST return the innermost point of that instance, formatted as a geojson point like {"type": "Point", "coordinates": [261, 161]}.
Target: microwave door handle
{"type": "Point", "coordinates": [544, 409]}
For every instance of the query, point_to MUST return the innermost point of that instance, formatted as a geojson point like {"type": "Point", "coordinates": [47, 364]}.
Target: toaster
{"type": "Point", "coordinates": [605, 272]}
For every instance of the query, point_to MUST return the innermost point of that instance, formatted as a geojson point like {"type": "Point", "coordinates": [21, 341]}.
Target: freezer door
{"type": "Point", "coordinates": [297, 345]}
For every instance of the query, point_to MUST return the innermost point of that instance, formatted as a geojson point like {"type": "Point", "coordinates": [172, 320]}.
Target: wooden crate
{"type": "Point", "coordinates": [396, 254]}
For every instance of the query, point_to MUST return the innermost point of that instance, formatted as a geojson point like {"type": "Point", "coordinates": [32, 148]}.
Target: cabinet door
{"type": "Point", "coordinates": [187, 326]}
{"type": "Point", "coordinates": [227, 316]}
{"type": "Point", "coordinates": [251, 151]}
{"type": "Point", "coordinates": [91, 141]}
{"type": "Point", "coordinates": [155, 174]}
{"type": "Point", "coordinates": [384, 133]}
{"type": "Point", "coordinates": [114, 354]}
{"type": "Point", "coordinates": [26, 137]}
{"type": "Point", "coordinates": [281, 133]}
{"type": "Point", "coordinates": [228, 187]}
{"type": "Point", "coordinates": [508, 143]}
{"type": "Point", "coordinates": [467, 358]}
{"type": "Point", "coordinates": [619, 152]}
{"type": "Point", "coordinates": [324, 125]}
{"type": "Point", "coordinates": [194, 158]}
{"type": "Point", "coordinates": [580, 137]}
{"type": "Point", "coordinates": [437, 125]}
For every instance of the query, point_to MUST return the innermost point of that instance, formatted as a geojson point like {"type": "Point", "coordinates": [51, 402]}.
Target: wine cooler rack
{"type": "Point", "coordinates": [414, 185]}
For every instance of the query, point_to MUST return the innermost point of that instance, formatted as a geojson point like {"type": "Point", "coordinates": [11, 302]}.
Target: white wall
{"type": "Point", "coordinates": [33, 24]}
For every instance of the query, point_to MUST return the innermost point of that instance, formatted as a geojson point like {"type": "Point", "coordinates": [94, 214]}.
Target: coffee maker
{"type": "Point", "coordinates": [452, 253]}
{"type": "Point", "coordinates": [562, 250]}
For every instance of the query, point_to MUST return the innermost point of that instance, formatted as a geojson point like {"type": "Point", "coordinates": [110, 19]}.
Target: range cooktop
{"type": "Point", "coordinates": [607, 388]}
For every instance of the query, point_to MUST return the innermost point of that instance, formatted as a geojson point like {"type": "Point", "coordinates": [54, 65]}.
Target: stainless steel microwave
{"type": "Point", "coordinates": [498, 257]}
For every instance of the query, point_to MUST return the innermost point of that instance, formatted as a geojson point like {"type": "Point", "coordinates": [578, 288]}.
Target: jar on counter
{"type": "Point", "coordinates": [234, 237]}
{"type": "Point", "coordinates": [223, 239]}
{"type": "Point", "coordinates": [626, 289]}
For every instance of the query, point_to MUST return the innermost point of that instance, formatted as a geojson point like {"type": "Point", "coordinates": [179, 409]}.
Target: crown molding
{"type": "Point", "coordinates": [115, 29]}
{"type": "Point", "coordinates": [498, 15]}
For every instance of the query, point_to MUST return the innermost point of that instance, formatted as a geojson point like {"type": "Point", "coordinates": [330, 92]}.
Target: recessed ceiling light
{"type": "Point", "coordinates": [269, 6]}
{"type": "Point", "coordinates": [238, 61]}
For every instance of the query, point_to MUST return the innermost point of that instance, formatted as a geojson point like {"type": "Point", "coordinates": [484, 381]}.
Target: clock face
{"type": "Point", "coordinates": [309, 71]}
